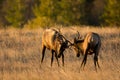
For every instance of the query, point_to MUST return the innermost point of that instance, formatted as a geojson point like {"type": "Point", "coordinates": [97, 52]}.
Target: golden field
{"type": "Point", "coordinates": [20, 55]}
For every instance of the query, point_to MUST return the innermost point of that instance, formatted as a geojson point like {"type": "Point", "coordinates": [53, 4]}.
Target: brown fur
{"type": "Point", "coordinates": [88, 46]}
{"type": "Point", "coordinates": [55, 42]}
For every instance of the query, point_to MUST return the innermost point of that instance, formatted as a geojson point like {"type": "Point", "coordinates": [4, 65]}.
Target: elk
{"type": "Point", "coordinates": [89, 45]}
{"type": "Point", "coordinates": [56, 43]}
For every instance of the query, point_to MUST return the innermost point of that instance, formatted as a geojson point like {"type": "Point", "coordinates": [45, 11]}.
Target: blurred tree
{"type": "Point", "coordinates": [97, 11]}
{"type": "Point", "coordinates": [29, 9]}
{"type": "Point", "coordinates": [63, 12]}
{"type": "Point", "coordinates": [47, 8]}
{"type": "Point", "coordinates": [87, 17]}
{"type": "Point", "coordinates": [70, 12]}
{"type": "Point", "coordinates": [14, 12]}
{"type": "Point", "coordinates": [1, 14]}
{"type": "Point", "coordinates": [111, 15]}
{"type": "Point", "coordinates": [59, 11]}
{"type": "Point", "coordinates": [91, 12]}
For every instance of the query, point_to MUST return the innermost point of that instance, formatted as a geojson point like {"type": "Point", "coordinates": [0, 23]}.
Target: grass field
{"type": "Point", "coordinates": [20, 55]}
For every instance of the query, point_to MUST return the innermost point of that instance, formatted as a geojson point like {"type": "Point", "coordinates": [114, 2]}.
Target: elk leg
{"type": "Point", "coordinates": [84, 61]}
{"type": "Point", "coordinates": [63, 59]}
{"type": "Point", "coordinates": [98, 64]}
{"type": "Point", "coordinates": [95, 61]}
{"type": "Point", "coordinates": [96, 56]}
{"type": "Point", "coordinates": [57, 58]}
{"type": "Point", "coordinates": [85, 58]}
{"type": "Point", "coordinates": [52, 57]}
{"type": "Point", "coordinates": [43, 53]}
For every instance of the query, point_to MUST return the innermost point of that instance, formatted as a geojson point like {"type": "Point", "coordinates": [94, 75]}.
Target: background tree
{"type": "Point", "coordinates": [58, 11]}
{"type": "Point", "coordinates": [14, 12]}
{"type": "Point", "coordinates": [46, 12]}
{"type": "Point", "coordinates": [111, 15]}
{"type": "Point", "coordinates": [1, 14]}
{"type": "Point", "coordinates": [70, 12]}
{"type": "Point", "coordinates": [42, 13]}
{"type": "Point", "coordinates": [91, 12]}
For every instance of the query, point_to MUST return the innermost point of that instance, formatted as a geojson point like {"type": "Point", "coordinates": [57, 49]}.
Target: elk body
{"type": "Point", "coordinates": [55, 42]}
{"type": "Point", "coordinates": [88, 46]}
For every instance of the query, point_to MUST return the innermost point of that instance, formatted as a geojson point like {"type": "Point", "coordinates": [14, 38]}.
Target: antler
{"type": "Point", "coordinates": [67, 40]}
{"type": "Point", "coordinates": [78, 35]}
{"type": "Point", "coordinates": [64, 37]}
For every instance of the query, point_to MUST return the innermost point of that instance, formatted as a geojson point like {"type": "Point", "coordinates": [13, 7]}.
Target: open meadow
{"type": "Point", "coordinates": [20, 55]}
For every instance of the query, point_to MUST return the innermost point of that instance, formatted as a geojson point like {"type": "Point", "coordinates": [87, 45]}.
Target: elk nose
{"type": "Point", "coordinates": [78, 55]}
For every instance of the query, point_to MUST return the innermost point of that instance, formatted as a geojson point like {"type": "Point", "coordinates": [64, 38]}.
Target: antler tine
{"type": "Point", "coordinates": [78, 35]}
{"type": "Point", "coordinates": [64, 37]}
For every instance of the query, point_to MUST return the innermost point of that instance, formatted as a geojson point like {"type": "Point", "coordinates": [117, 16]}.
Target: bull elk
{"type": "Point", "coordinates": [56, 43]}
{"type": "Point", "coordinates": [88, 46]}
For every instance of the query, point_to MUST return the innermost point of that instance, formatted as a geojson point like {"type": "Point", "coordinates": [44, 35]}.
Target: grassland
{"type": "Point", "coordinates": [20, 55]}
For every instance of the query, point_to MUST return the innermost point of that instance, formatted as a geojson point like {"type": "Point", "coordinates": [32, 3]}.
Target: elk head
{"type": "Point", "coordinates": [77, 43]}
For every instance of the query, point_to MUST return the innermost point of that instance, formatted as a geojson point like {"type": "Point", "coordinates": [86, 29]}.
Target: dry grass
{"type": "Point", "coordinates": [20, 54]}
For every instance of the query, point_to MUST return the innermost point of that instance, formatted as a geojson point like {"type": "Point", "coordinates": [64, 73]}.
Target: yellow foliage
{"type": "Point", "coordinates": [38, 22]}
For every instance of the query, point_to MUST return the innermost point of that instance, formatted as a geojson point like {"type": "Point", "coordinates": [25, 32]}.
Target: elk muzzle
{"type": "Point", "coordinates": [78, 55]}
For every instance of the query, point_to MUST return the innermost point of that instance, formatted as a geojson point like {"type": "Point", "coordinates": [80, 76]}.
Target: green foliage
{"type": "Point", "coordinates": [14, 12]}
{"type": "Point", "coordinates": [47, 13]}
{"type": "Point", "coordinates": [60, 12]}
{"type": "Point", "coordinates": [70, 12]}
{"type": "Point", "coordinates": [39, 22]}
{"type": "Point", "coordinates": [111, 15]}
{"type": "Point", "coordinates": [48, 10]}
